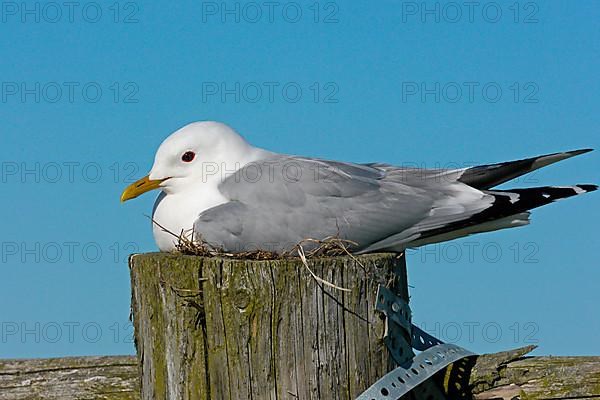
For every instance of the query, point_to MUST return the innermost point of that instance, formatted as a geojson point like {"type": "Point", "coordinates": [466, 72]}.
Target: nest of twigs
{"type": "Point", "coordinates": [329, 247]}
{"type": "Point", "coordinates": [190, 243]}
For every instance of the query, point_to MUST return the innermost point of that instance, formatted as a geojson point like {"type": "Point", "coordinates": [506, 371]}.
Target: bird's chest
{"type": "Point", "coordinates": [176, 214]}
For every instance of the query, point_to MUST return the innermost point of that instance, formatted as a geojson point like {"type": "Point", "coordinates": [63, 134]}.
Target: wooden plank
{"type": "Point", "coordinates": [501, 376]}
{"type": "Point", "coordinates": [94, 378]}
{"type": "Point", "coordinates": [509, 374]}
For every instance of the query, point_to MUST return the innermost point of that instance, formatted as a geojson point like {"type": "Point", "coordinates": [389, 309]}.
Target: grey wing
{"type": "Point", "coordinates": [277, 202]}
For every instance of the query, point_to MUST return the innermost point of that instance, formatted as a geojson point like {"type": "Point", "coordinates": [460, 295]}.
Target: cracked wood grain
{"type": "Point", "coordinates": [513, 375]}
{"type": "Point", "coordinates": [507, 375]}
{"type": "Point", "coordinates": [97, 378]}
{"type": "Point", "coordinates": [268, 330]}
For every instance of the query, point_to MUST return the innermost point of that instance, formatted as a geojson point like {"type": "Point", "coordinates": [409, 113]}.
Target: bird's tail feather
{"type": "Point", "coordinates": [509, 209]}
{"type": "Point", "coordinates": [519, 200]}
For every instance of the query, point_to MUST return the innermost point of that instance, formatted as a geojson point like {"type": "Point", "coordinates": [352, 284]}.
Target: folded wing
{"type": "Point", "coordinates": [277, 202]}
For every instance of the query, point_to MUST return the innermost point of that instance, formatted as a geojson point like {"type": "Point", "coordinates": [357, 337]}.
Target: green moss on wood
{"type": "Point", "coordinates": [265, 329]}
{"type": "Point", "coordinates": [94, 378]}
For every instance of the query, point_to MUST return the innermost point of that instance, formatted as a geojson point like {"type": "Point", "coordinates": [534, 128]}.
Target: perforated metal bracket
{"type": "Point", "coordinates": [397, 344]}
{"type": "Point", "coordinates": [401, 336]}
{"type": "Point", "coordinates": [395, 308]}
{"type": "Point", "coordinates": [405, 378]}
{"type": "Point", "coordinates": [397, 313]}
{"type": "Point", "coordinates": [422, 340]}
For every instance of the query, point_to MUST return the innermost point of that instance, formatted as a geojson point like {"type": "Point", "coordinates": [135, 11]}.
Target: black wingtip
{"type": "Point", "coordinates": [588, 188]}
{"type": "Point", "coordinates": [578, 152]}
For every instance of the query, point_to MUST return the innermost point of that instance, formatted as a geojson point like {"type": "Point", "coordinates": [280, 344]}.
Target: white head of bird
{"type": "Point", "coordinates": [188, 167]}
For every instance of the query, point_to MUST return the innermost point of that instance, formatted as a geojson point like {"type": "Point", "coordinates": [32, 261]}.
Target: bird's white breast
{"type": "Point", "coordinates": [178, 212]}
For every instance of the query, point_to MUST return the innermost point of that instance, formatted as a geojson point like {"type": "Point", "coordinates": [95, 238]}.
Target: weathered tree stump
{"type": "Point", "coordinates": [213, 328]}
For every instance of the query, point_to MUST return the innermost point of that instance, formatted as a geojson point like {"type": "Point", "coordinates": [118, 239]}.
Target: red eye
{"type": "Point", "coordinates": [188, 156]}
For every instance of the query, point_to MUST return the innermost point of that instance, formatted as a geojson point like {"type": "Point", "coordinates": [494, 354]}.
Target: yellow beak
{"type": "Point", "coordinates": [140, 187]}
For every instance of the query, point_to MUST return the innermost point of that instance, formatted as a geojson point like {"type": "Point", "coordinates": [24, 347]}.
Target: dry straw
{"type": "Point", "coordinates": [192, 244]}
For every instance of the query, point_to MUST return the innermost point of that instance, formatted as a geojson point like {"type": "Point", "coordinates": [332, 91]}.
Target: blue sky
{"type": "Point", "coordinates": [89, 93]}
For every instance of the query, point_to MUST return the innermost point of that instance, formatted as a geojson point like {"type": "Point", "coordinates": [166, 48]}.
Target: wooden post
{"type": "Point", "coordinates": [213, 328]}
